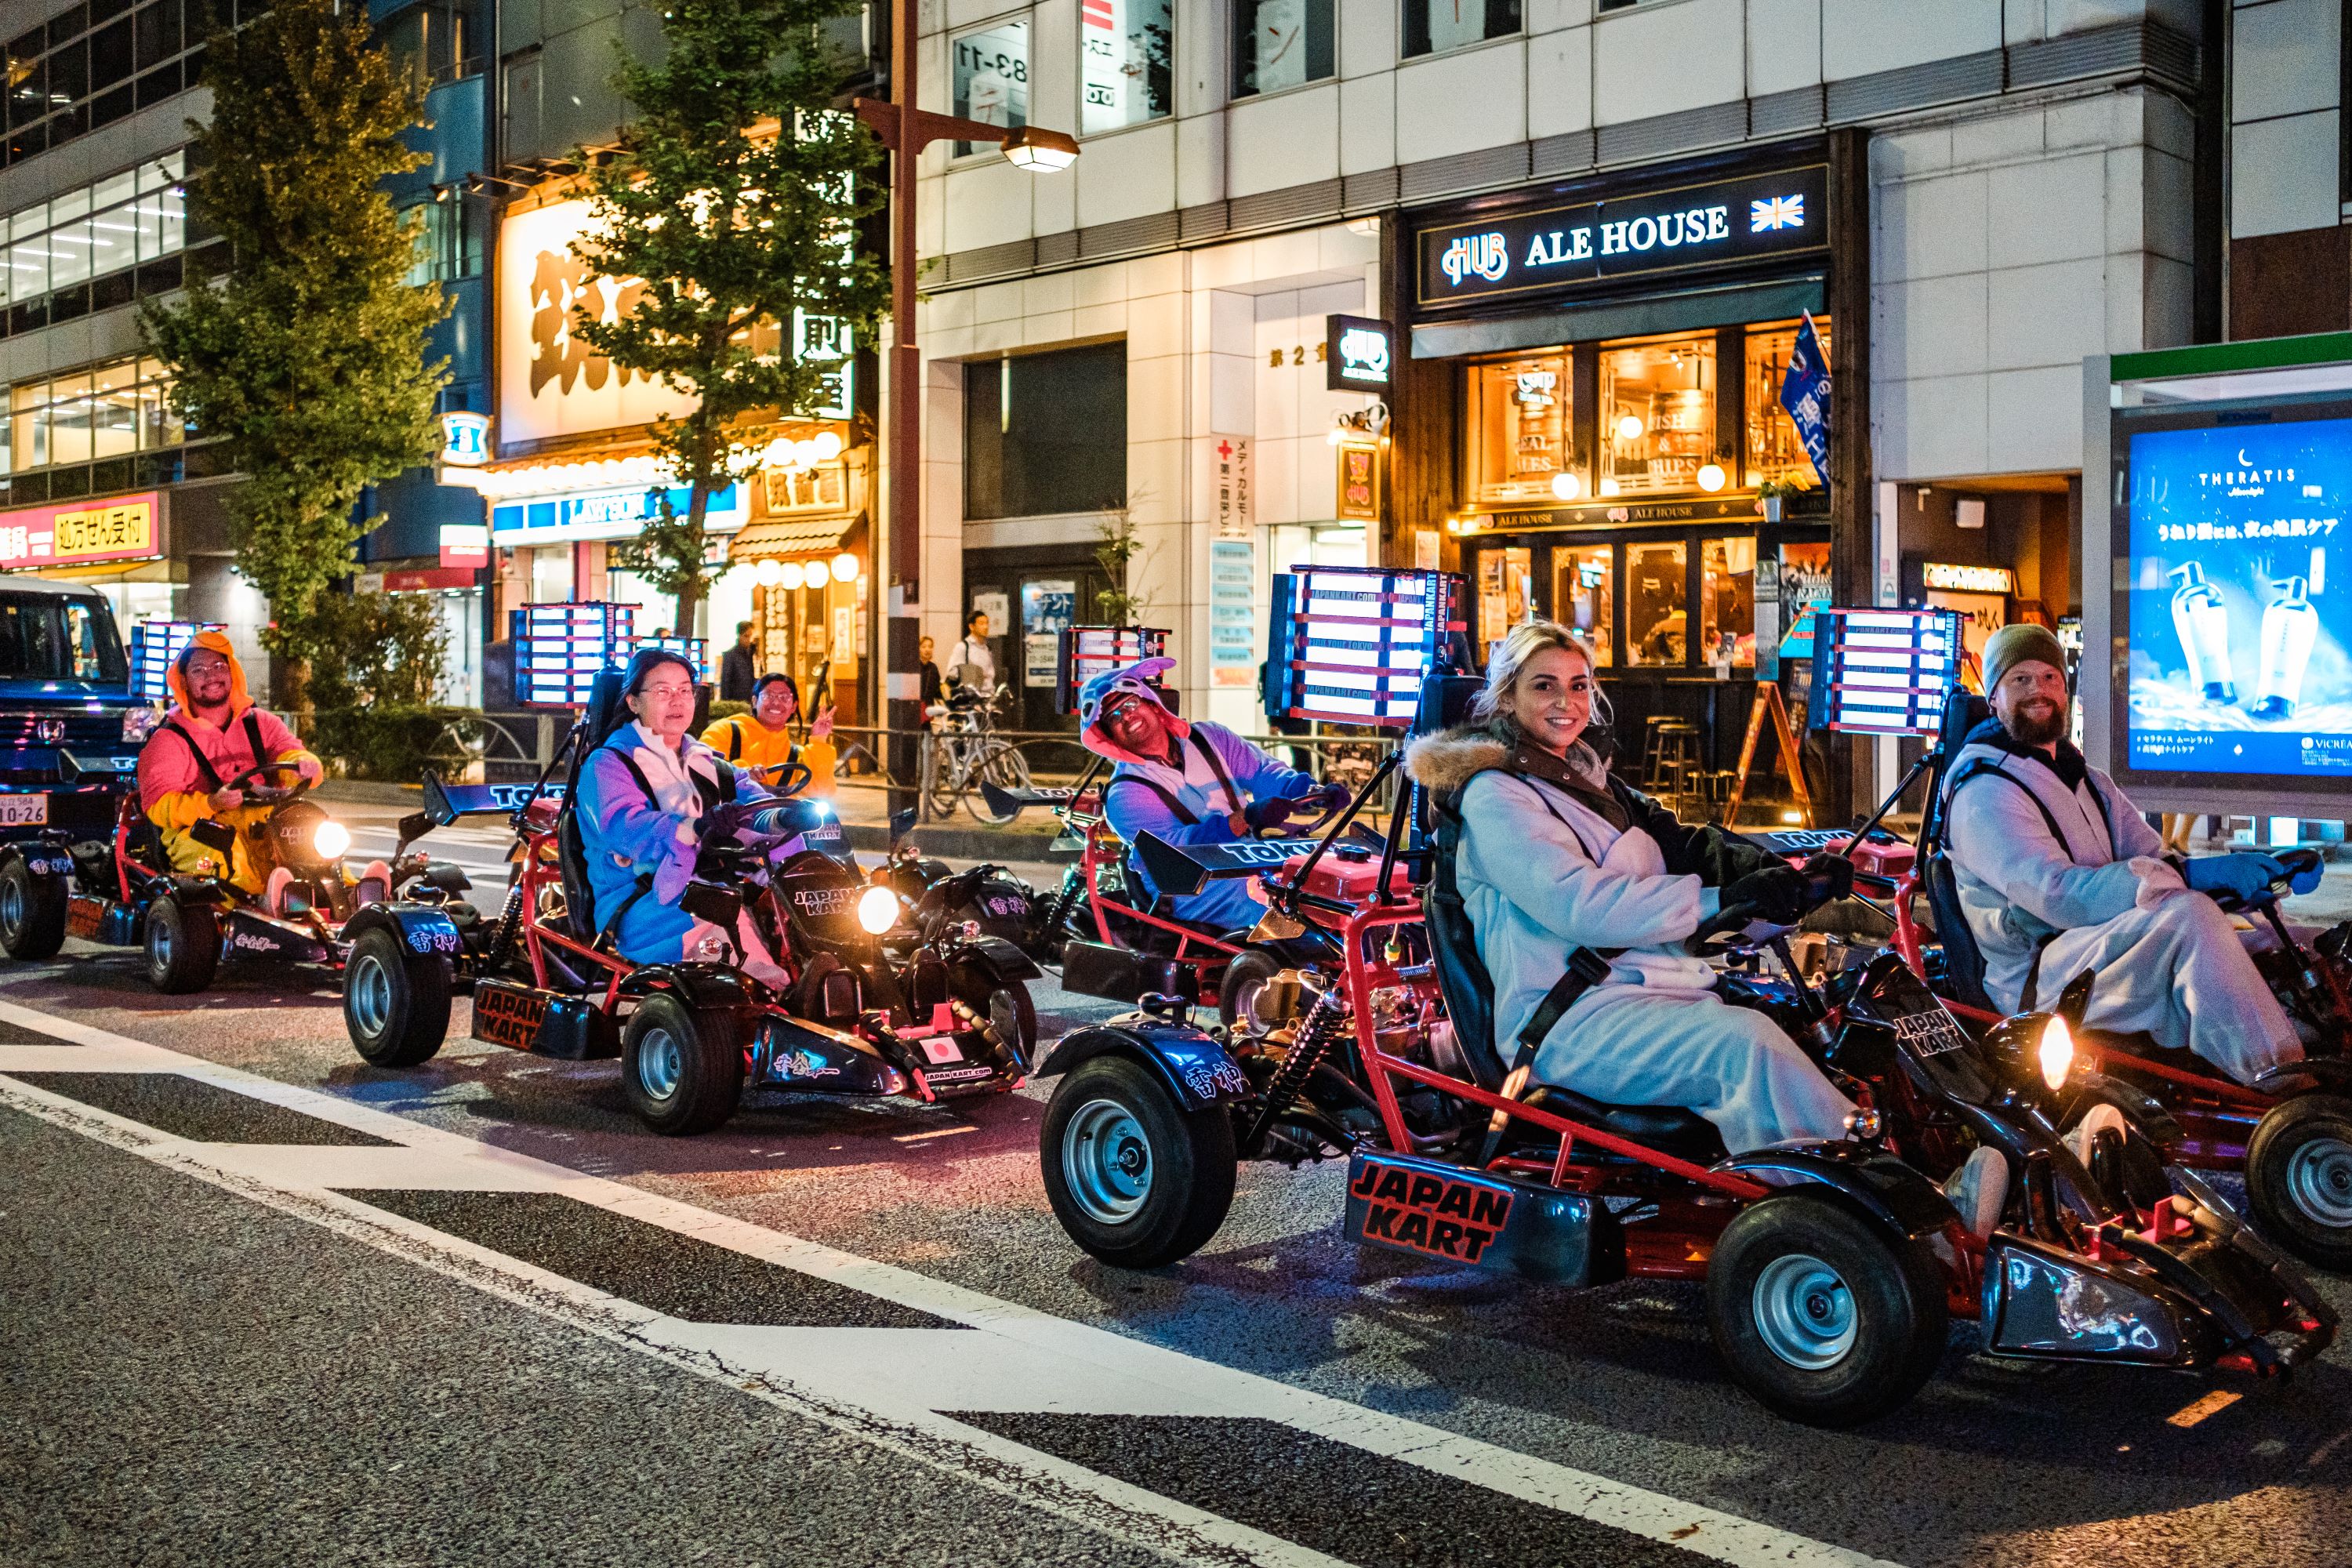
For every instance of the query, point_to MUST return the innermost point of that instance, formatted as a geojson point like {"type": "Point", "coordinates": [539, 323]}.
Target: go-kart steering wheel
{"type": "Point", "coordinates": [270, 794]}
{"type": "Point", "coordinates": [1288, 828]}
{"type": "Point", "coordinates": [2295, 863]}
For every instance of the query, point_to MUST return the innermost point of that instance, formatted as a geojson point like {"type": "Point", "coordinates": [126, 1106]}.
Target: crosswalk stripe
{"type": "Point", "coordinates": [894, 1391]}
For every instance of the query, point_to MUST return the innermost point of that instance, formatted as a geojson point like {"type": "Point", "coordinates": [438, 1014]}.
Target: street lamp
{"type": "Point", "coordinates": [906, 131]}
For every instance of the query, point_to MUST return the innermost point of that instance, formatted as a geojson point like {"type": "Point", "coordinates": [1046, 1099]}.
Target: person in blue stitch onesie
{"type": "Point", "coordinates": [1188, 783]}
{"type": "Point", "coordinates": [648, 797]}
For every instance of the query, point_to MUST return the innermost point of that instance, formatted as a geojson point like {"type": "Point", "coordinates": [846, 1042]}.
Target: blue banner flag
{"type": "Point", "coordinates": [1805, 393]}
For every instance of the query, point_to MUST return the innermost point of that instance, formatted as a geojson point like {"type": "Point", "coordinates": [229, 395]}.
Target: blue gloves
{"type": "Point", "coordinates": [2307, 880]}
{"type": "Point", "coordinates": [2243, 875]}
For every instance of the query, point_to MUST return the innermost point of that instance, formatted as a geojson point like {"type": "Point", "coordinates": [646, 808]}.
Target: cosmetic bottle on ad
{"type": "Point", "coordinates": [2202, 623]}
{"type": "Point", "coordinates": [2289, 627]}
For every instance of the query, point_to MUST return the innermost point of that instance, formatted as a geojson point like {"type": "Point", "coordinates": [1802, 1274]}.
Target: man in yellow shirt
{"type": "Point", "coordinates": [761, 740]}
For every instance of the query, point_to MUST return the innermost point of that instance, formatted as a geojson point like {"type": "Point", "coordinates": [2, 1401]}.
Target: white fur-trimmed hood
{"type": "Point", "coordinates": [1445, 761]}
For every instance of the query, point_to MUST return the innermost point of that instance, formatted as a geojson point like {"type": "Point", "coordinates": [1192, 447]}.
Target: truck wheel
{"type": "Point", "coordinates": [395, 1003]}
{"type": "Point", "coordinates": [32, 912]}
{"type": "Point", "coordinates": [1245, 977]}
{"type": "Point", "coordinates": [2299, 1178]}
{"type": "Point", "coordinates": [183, 946]}
{"type": "Point", "coordinates": [681, 1067]}
{"type": "Point", "coordinates": [1135, 1178]}
{"type": "Point", "coordinates": [1825, 1317]}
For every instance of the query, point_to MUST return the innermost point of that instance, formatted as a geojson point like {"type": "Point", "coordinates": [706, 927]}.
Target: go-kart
{"type": "Point", "coordinates": [187, 924]}
{"type": "Point", "coordinates": [2291, 1134]}
{"type": "Point", "coordinates": [1110, 945]}
{"type": "Point", "coordinates": [1831, 1269]}
{"type": "Point", "coordinates": [870, 1008]}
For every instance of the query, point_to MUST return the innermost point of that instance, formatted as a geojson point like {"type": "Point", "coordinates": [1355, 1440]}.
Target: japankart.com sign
{"type": "Point", "coordinates": [119, 527]}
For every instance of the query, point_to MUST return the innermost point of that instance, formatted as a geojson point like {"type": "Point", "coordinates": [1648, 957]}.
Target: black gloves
{"type": "Point", "coordinates": [1261, 814]}
{"type": "Point", "coordinates": [722, 822]}
{"type": "Point", "coordinates": [742, 821]}
{"type": "Point", "coordinates": [1780, 894]}
{"type": "Point", "coordinates": [1333, 796]}
{"type": "Point", "coordinates": [1832, 876]}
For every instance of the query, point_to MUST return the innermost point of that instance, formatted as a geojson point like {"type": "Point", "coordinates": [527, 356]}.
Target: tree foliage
{"type": "Point", "coordinates": [375, 649]}
{"type": "Point", "coordinates": [730, 209]}
{"type": "Point", "coordinates": [308, 359]}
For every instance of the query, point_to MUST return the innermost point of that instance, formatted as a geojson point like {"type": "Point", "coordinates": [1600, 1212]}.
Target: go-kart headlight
{"type": "Point", "coordinates": [2056, 1052]}
{"type": "Point", "coordinates": [330, 840]}
{"type": "Point", "coordinates": [877, 910]}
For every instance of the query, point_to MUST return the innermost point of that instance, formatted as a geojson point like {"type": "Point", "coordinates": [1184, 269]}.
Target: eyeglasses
{"type": "Point", "coordinates": [666, 691]}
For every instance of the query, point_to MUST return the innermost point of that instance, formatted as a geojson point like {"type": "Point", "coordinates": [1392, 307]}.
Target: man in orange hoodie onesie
{"type": "Point", "coordinates": [213, 733]}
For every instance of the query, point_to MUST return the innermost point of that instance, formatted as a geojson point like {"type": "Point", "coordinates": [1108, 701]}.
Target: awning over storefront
{"type": "Point", "coordinates": [1688, 310]}
{"type": "Point", "coordinates": [791, 536]}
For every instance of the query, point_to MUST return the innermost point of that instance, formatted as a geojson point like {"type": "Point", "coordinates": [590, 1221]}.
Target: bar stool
{"type": "Point", "coordinates": [1670, 759]}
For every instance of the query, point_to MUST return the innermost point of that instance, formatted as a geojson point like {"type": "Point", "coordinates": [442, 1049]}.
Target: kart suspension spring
{"type": "Point", "coordinates": [1323, 1025]}
{"type": "Point", "coordinates": [509, 922]}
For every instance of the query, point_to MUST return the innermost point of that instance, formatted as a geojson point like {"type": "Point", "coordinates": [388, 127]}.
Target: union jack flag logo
{"type": "Point", "coordinates": [1776, 212]}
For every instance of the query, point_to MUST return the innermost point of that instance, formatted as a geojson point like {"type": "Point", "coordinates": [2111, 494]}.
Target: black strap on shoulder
{"type": "Point", "coordinates": [252, 735]}
{"type": "Point", "coordinates": [734, 739]}
{"type": "Point", "coordinates": [1168, 796]}
{"type": "Point", "coordinates": [1981, 767]}
{"type": "Point", "coordinates": [204, 771]}
{"type": "Point", "coordinates": [1217, 766]}
{"type": "Point", "coordinates": [636, 773]}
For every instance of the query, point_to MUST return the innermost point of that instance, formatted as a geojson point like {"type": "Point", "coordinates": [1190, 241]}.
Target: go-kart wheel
{"type": "Point", "coordinates": [681, 1067]}
{"type": "Point", "coordinates": [2299, 1178]}
{"type": "Point", "coordinates": [1237, 997]}
{"type": "Point", "coordinates": [183, 946]}
{"type": "Point", "coordinates": [32, 912]}
{"type": "Point", "coordinates": [1825, 1317]}
{"type": "Point", "coordinates": [395, 1002]}
{"type": "Point", "coordinates": [1135, 1178]}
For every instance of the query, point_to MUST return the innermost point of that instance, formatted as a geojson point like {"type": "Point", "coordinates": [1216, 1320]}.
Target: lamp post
{"type": "Point", "coordinates": [906, 131]}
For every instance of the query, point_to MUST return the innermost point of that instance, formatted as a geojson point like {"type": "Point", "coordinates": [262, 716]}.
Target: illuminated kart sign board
{"type": "Point", "coordinates": [1353, 645]}
{"type": "Point", "coordinates": [1780, 214]}
{"type": "Point", "coordinates": [1884, 672]}
{"type": "Point", "coordinates": [1085, 652]}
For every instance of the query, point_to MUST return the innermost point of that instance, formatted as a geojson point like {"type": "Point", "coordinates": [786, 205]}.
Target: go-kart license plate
{"type": "Point", "coordinates": [23, 810]}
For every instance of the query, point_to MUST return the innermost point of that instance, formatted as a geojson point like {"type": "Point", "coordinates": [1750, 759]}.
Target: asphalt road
{"type": "Point", "coordinates": [259, 1303]}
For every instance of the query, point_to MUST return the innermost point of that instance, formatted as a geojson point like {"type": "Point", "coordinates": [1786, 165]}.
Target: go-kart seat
{"type": "Point", "coordinates": [606, 712]}
{"type": "Point", "coordinates": [1964, 965]}
{"type": "Point", "coordinates": [1469, 991]}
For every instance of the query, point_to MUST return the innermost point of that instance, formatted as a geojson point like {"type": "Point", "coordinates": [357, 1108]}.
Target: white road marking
{"type": "Point", "coordinates": [884, 1384]}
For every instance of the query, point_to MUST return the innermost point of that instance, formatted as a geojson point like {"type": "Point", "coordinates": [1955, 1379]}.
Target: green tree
{"type": "Point", "coordinates": [374, 650]}
{"type": "Point", "coordinates": [729, 211]}
{"type": "Point", "coordinates": [307, 360]}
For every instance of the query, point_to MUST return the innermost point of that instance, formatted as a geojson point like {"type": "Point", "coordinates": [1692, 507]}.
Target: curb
{"type": "Point", "coordinates": [973, 843]}
{"type": "Point", "coordinates": [369, 792]}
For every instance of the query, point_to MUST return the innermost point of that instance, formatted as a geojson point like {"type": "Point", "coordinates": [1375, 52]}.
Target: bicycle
{"type": "Point", "coordinates": [964, 749]}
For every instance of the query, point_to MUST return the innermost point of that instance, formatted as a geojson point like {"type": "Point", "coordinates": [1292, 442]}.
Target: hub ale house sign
{"type": "Point", "coordinates": [1754, 215]}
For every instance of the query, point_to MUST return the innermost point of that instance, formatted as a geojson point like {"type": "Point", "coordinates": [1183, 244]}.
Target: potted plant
{"type": "Point", "coordinates": [1770, 494]}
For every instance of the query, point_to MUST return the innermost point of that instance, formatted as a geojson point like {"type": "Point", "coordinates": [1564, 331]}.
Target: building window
{"type": "Point", "coordinates": [991, 79]}
{"type": "Point", "coordinates": [1124, 57]}
{"type": "Point", "coordinates": [437, 40]}
{"type": "Point", "coordinates": [112, 411]}
{"type": "Point", "coordinates": [1433, 26]}
{"type": "Point", "coordinates": [1046, 433]}
{"type": "Point", "coordinates": [1726, 601]}
{"type": "Point", "coordinates": [1657, 415]}
{"type": "Point", "coordinates": [1282, 43]}
{"type": "Point", "coordinates": [448, 241]}
{"type": "Point", "coordinates": [1773, 451]}
{"type": "Point", "coordinates": [1518, 430]}
{"type": "Point", "coordinates": [1656, 628]}
{"type": "Point", "coordinates": [1583, 589]}
{"type": "Point", "coordinates": [93, 65]}
{"type": "Point", "coordinates": [101, 246]}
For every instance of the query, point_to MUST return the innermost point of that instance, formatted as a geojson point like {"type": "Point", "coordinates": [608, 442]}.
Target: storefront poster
{"type": "Point", "coordinates": [1048, 607]}
{"type": "Point", "coordinates": [549, 382]}
{"type": "Point", "coordinates": [1359, 494]}
{"type": "Point", "coordinates": [1804, 588]}
{"type": "Point", "coordinates": [2238, 630]}
{"type": "Point", "coordinates": [1505, 592]}
{"type": "Point", "coordinates": [1233, 652]}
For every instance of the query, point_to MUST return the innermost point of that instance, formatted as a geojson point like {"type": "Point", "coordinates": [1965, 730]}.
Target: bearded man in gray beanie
{"type": "Point", "coordinates": [2058, 872]}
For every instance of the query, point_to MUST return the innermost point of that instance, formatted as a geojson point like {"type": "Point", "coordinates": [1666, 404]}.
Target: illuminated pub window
{"type": "Point", "coordinates": [1658, 416]}
{"type": "Point", "coordinates": [1656, 628]}
{"type": "Point", "coordinates": [1726, 601]}
{"type": "Point", "coordinates": [1773, 451]}
{"type": "Point", "coordinates": [1582, 595]}
{"type": "Point", "coordinates": [1519, 429]}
